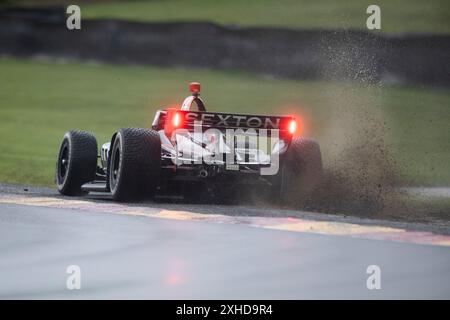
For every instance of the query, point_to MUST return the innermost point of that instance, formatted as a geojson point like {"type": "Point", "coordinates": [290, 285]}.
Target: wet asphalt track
{"type": "Point", "coordinates": [139, 257]}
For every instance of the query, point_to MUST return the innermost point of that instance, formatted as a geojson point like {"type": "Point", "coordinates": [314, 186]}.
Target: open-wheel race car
{"type": "Point", "coordinates": [193, 153]}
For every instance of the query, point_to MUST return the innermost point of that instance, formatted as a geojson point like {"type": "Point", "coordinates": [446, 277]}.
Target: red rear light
{"type": "Point", "coordinates": [176, 121]}
{"type": "Point", "coordinates": [292, 126]}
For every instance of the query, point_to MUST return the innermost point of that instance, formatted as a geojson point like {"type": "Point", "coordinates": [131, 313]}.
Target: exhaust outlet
{"type": "Point", "coordinates": [203, 173]}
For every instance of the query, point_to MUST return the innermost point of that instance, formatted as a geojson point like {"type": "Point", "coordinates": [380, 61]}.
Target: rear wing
{"type": "Point", "coordinates": [173, 119]}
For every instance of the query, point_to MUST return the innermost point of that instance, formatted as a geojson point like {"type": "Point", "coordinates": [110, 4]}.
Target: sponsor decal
{"type": "Point", "coordinates": [229, 120]}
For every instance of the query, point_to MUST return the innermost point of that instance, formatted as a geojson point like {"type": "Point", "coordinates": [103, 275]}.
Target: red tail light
{"type": "Point", "coordinates": [176, 121]}
{"type": "Point", "coordinates": [292, 126]}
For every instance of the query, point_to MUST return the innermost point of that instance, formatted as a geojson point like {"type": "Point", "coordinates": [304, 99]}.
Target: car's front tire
{"type": "Point", "coordinates": [135, 164]}
{"type": "Point", "coordinates": [77, 162]}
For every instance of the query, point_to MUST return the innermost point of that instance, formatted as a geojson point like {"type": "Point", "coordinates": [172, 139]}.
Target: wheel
{"type": "Point", "coordinates": [77, 162]}
{"type": "Point", "coordinates": [135, 164]}
{"type": "Point", "coordinates": [301, 171]}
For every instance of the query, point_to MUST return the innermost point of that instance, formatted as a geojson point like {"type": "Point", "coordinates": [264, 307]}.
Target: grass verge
{"type": "Point", "coordinates": [396, 15]}
{"type": "Point", "coordinates": [41, 100]}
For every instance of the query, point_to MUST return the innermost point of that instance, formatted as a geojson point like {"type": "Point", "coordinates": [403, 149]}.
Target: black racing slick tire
{"type": "Point", "coordinates": [135, 164]}
{"type": "Point", "coordinates": [77, 162]}
{"type": "Point", "coordinates": [301, 171]}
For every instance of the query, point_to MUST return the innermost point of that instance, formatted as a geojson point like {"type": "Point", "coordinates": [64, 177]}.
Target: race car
{"type": "Point", "coordinates": [192, 152]}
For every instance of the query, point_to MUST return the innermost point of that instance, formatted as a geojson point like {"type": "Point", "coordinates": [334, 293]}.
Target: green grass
{"type": "Point", "coordinates": [396, 15]}
{"type": "Point", "coordinates": [422, 209]}
{"type": "Point", "coordinates": [39, 101]}
{"type": "Point", "coordinates": [421, 134]}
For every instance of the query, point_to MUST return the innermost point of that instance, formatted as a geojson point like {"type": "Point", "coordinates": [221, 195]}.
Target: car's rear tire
{"type": "Point", "coordinates": [77, 162]}
{"type": "Point", "coordinates": [301, 171]}
{"type": "Point", "coordinates": [135, 164]}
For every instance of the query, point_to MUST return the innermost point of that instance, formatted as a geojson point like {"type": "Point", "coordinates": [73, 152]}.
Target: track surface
{"type": "Point", "coordinates": [127, 254]}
